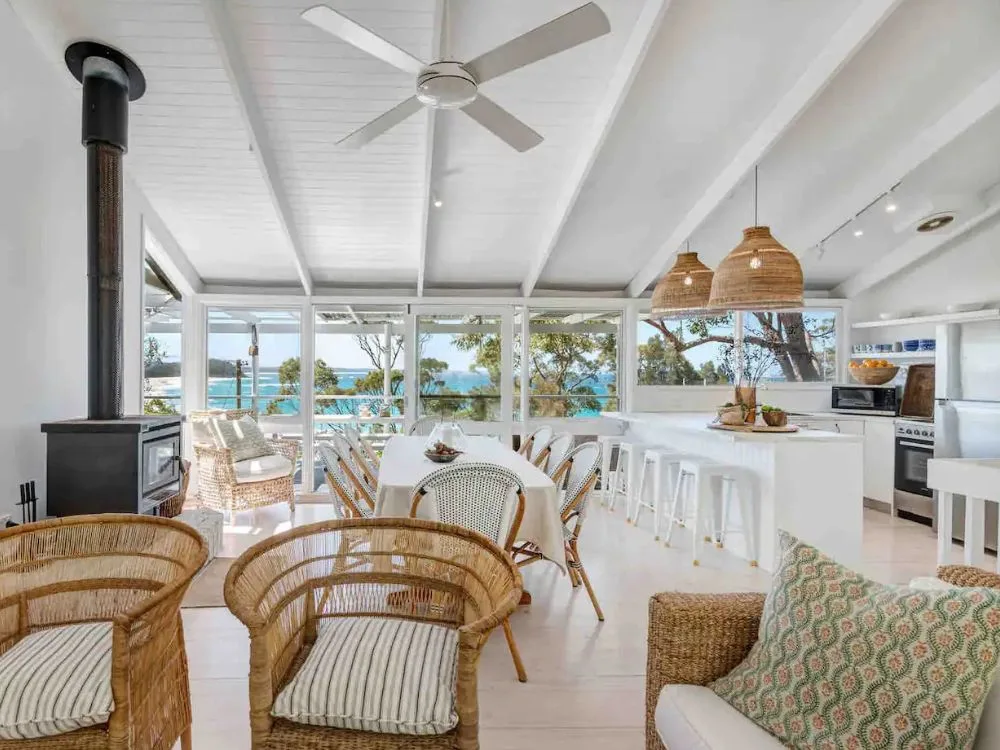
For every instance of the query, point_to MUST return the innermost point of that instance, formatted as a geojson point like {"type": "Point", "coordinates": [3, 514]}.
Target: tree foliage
{"type": "Point", "coordinates": [153, 355]}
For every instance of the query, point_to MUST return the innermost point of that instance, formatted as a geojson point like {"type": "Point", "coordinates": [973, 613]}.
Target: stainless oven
{"type": "Point", "coordinates": [914, 448]}
{"type": "Point", "coordinates": [877, 400]}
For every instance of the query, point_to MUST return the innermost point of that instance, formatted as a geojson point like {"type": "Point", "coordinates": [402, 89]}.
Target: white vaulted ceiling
{"type": "Point", "coordinates": [651, 133]}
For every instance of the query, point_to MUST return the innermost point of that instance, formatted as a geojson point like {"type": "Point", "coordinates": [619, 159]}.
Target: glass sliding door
{"type": "Point", "coordinates": [161, 343]}
{"type": "Point", "coordinates": [464, 367]}
{"type": "Point", "coordinates": [359, 370]}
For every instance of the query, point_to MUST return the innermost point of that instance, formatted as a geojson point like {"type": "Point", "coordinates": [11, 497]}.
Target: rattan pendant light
{"type": "Point", "coordinates": [759, 274]}
{"type": "Point", "coordinates": [682, 292]}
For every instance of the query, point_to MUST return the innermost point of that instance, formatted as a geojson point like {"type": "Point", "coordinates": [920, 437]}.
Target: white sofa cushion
{"type": "Point", "coordinates": [56, 681]}
{"type": "Point", "coordinates": [262, 468]}
{"type": "Point", "coordinates": [376, 674]}
{"type": "Point", "coordinates": [691, 717]}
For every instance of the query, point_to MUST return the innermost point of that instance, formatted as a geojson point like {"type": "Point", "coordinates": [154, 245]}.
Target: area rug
{"type": "Point", "coordinates": [206, 588]}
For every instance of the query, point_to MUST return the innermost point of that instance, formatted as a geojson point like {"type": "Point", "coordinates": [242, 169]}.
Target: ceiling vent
{"type": "Point", "coordinates": [936, 222]}
{"type": "Point", "coordinates": [937, 213]}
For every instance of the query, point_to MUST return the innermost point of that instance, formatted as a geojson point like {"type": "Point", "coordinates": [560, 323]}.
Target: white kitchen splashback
{"type": "Point", "coordinates": [799, 398]}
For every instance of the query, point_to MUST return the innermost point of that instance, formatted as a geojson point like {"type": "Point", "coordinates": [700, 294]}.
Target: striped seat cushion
{"type": "Point", "coordinates": [376, 674]}
{"type": "Point", "coordinates": [56, 681]}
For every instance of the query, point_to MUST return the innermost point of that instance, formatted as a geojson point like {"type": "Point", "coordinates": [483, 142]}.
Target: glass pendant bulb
{"type": "Point", "coordinates": [756, 262]}
{"type": "Point", "coordinates": [688, 281]}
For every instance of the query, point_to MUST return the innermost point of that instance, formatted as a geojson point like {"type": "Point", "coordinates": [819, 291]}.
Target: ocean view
{"type": "Point", "coordinates": [222, 391]}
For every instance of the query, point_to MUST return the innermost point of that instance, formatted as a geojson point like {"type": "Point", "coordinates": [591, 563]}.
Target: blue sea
{"type": "Point", "coordinates": [222, 391]}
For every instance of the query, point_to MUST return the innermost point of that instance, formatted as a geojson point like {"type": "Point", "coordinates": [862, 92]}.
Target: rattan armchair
{"type": "Point", "coordinates": [695, 639]}
{"type": "Point", "coordinates": [218, 487]}
{"type": "Point", "coordinates": [131, 571]}
{"type": "Point", "coordinates": [282, 589]}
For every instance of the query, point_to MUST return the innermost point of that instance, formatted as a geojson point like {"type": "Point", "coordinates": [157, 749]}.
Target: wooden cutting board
{"type": "Point", "coordinates": [752, 427]}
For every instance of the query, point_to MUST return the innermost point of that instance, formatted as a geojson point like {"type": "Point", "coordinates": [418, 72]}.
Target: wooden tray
{"type": "Point", "coordinates": [752, 427]}
{"type": "Point", "coordinates": [918, 393]}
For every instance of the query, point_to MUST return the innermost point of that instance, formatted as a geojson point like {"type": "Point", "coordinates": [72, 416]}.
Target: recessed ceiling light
{"type": "Point", "coordinates": [890, 207]}
{"type": "Point", "coordinates": [438, 203]}
{"type": "Point", "coordinates": [858, 232]}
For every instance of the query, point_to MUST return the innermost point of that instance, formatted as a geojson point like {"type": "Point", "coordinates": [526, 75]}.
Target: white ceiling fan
{"type": "Point", "coordinates": [448, 84]}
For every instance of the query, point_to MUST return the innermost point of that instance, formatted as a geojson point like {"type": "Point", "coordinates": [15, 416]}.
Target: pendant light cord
{"type": "Point", "coordinates": [755, 195]}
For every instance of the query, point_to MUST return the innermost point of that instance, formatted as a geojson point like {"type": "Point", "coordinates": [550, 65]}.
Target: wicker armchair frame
{"type": "Point", "coordinates": [421, 570]}
{"type": "Point", "coordinates": [695, 639]}
{"type": "Point", "coordinates": [219, 490]}
{"type": "Point", "coordinates": [130, 570]}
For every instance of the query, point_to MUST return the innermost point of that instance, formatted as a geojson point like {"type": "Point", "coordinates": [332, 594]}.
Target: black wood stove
{"type": "Point", "coordinates": [108, 462]}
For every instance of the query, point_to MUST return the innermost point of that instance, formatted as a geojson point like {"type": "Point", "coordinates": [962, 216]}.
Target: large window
{"type": "Point", "coordinates": [691, 351]}
{"type": "Point", "coordinates": [572, 363]}
{"type": "Point", "coordinates": [796, 346]}
{"type": "Point", "coordinates": [161, 343]}
{"type": "Point", "coordinates": [459, 366]}
{"type": "Point", "coordinates": [359, 367]}
{"type": "Point", "coordinates": [253, 361]}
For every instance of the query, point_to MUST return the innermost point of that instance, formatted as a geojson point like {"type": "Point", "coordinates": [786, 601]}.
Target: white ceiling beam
{"type": "Point", "coordinates": [239, 80]}
{"type": "Point", "coordinates": [618, 87]}
{"type": "Point", "coordinates": [848, 39]}
{"type": "Point", "coordinates": [440, 19]}
{"type": "Point", "coordinates": [353, 314]}
{"type": "Point", "coordinates": [913, 251]}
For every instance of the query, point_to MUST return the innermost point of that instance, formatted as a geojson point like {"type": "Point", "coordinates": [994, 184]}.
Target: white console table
{"type": "Point", "coordinates": [979, 480]}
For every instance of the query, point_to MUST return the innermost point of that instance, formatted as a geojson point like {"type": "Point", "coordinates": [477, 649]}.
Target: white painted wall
{"type": "Point", "coordinates": [43, 276]}
{"type": "Point", "coordinates": [965, 270]}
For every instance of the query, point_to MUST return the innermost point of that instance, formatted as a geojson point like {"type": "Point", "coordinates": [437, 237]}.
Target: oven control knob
{"type": "Point", "coordinates": [909, 431]}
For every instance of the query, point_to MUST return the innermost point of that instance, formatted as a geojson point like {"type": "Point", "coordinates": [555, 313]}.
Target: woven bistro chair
{"type": "Point", "coordinates": [533, 445]}
{"type": "Point", "coordinates": [483, 497]}
{"type": "Point", "coordinates": [695, 639]}
{"type": "Point", "coordinates": [354, 495]}
{"type": "Point", "coordinates": [576, 476]}
{"type": "Point", "coordinates": [364, 447]}
{"type": "Point", "coordinates": [90, 605]}
{"type": "Point", "coordinates": [551, 457]}
{"type": "Point", "coordinates": [300, 591]}
{"type": "Point", "coordinates": [359, 464]}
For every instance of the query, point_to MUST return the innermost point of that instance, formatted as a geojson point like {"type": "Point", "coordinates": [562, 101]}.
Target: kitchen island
{"type": "Point", "coordinates": [810, 482]}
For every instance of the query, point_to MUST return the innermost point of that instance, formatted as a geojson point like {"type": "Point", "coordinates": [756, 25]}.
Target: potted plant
{"type": "Point", "coordinates": [750, 363]}
{"type": "Point", "coordinates": [773, 416]}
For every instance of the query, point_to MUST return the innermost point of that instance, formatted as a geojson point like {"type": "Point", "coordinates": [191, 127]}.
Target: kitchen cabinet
{"type": "Point", "coordinates": [880, 460]}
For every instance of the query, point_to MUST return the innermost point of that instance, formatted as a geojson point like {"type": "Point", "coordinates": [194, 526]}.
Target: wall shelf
{"type": "Point", "coordinates": [960, 317]}
{"type": "Point", "coordinates": [891, 356]}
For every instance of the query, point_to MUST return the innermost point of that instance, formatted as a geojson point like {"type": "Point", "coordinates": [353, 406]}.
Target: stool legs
{"type": "Point", "coordinates": [683, 478]}
{"type": "Point", "coordinates": [747, 492]}
{"type": "Point", "coordinates": [605, 474]}
{"type": "Point", "coordinates": [616, 483]}
{"type": "Point", "coordinates": [657, 498]}
{"type": "Point", "coordinates": [636, 465]}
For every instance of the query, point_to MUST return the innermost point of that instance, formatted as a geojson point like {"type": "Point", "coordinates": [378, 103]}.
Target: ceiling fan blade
{"type": "Point", "coordinates": [382, 123]}
{"type": "Point", "coordinates": [364, 39]}
{"type": "Point", "coordinates": [502, 123]}
{"type": "Point", "coordinates": [576, 27]}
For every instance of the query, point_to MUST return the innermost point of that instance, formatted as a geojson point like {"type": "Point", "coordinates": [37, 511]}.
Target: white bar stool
{"type": "Point", "coordinates": [713, 484]}
{"type": "Point", "coordinates": [687, 479]}
{"type": "Point", "coordinates": [607, 443]}
{"type": "Point", "coordinates": [627, 472]}
{"type": "Point", "coordinates": [654, 461]}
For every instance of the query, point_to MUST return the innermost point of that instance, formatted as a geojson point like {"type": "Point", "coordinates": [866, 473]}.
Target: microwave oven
{"type": "Point", "coordinates": [880, 400]}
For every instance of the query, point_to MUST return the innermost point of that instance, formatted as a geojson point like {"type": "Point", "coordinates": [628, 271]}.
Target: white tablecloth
{"type": "Point", "coordinates": [403, 465]}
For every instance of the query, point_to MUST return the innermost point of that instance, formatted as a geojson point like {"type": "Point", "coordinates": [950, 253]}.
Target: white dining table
{"type": "Point", "coordinates": [404, 465]}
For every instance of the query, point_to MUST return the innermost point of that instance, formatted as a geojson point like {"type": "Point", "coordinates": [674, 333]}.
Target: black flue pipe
{"type": "Point", "coordinates": [110, 80]}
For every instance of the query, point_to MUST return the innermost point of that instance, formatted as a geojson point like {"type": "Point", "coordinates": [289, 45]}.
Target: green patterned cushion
{"type": "Point", "coordinates": [844, 662]}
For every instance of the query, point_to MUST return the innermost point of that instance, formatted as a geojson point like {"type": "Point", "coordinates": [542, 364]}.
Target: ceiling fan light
{"type": "Point", "coordinates": [774, 283]}
{"type": "Point", "coordinates": [682, 292]}
{"type": "Point", "coordinates": [446, 85]}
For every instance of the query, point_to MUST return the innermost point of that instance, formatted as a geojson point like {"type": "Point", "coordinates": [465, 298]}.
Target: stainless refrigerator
{"type": "Point", "coordinates": [967, 410]}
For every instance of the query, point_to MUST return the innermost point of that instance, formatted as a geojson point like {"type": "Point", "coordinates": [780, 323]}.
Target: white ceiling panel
{"type": "Point", "coordinates": [188, 146]}
{"type": "Point", "coordinates": [713, 72]}
{"type": "Point", "coordinates": [497, 202]}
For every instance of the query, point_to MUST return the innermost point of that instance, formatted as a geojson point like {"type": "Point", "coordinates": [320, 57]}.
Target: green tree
{"type": "Point", "coordinates": [153, 356]}
{"type": "Point", "coordinates": [290, 382]}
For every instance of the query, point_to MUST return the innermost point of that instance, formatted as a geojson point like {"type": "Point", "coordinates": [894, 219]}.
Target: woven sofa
{"type": "Point", "coordinates": [695, 639]}
{"type": "Point", "coordinates": [232, 486]}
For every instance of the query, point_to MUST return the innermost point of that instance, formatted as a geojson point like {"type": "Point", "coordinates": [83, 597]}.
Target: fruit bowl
{"type": "Point", "coordinates": [440, 453]}
{"type": "Point", "coordinates": [874, 375]}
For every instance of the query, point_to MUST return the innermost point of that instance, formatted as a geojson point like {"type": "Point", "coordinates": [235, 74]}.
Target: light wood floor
{"type": "Point", "coordinates": [585, 679]}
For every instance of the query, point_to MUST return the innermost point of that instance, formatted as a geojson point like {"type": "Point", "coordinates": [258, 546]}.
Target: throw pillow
{"type": "Point", "coordinates": [845, 662]}
{"type": "Point", "coordinates": [242, 436]}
